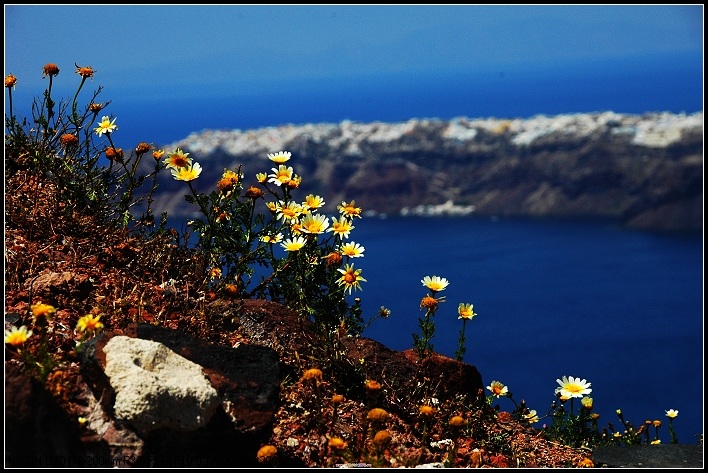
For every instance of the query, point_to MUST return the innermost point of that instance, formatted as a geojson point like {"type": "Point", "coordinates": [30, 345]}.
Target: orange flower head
{"type": "Point", "coordinates": [427, 411]}
{"type": "Point", "coordinates": [158, 154]}
{"type": "Point", "coordinates": [85, 72]}
{"type": "Point", "coordinates": [429, 303]}
{"type": "Point", "coordinates": [254, 193]}
{"type": "Point", "coordinates": [313, 374]}
{"type": "Point", "coordinates": [267, 453]}
{"type": "Point", "coordinates": [10, 81]}
{"type": "Point", "coordinates": [231, 290]}
{"type": "Point", "coordinates": [372, 385]}
{"type": "Point", "coordinates": [89, 323]}
{"type": "Point", "coordinates": [226, 184]}
{"type": "Point", "coordinates": [586, 463]}
{"type": "Point", "coordinates": [337, 399]}
{"type": "Point", "coordinates": [294, 182]}
{"type": "Point", "coordinates": [335, 443]}
{"type": "Point", "coordinates": [457, 421]}
{"type": "Point", "coordinates": [656, 423]}
{"type": "Point", "coordinates": [69, 140]}
{"type": "Point", "coordinates": [50, 69]}
{"type": "Point", "coordinates": [142, 148]}
{"type": "Point", "coordinates": [95, 107]}
{"type": "Point", "coordinates": [377, 415]}
{"type": "Point", "coordinates": [115, 154]}
{"type": "Point", "coordinates": [382, 438]}
{"type": "Point", "coordinates": [42, 311]}
{"type": "Point", "coordinates": [333, 259]}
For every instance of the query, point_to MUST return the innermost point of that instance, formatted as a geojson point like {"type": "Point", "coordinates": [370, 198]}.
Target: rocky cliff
{"type": "Point", "coordinates": [645, 171]}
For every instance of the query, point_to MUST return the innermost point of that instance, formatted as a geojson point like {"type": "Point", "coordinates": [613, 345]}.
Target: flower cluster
{"type": "Point", "coordinates": [309, 253]}
{"type": "Point", "coordinates": [430, 303]}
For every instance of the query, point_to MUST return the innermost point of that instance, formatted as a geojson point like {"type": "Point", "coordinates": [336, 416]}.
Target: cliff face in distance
{"type": "Point", "coordinates": [644, 171]}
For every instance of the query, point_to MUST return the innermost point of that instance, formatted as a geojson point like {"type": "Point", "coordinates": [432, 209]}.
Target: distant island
{"type": "Point", "coordinates": [643, 171]}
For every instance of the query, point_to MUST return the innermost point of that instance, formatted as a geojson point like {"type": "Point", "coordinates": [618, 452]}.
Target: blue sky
{"type": "Point", "coordinates": [207, 50]}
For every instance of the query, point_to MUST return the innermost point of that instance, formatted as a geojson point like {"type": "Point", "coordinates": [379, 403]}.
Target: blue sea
{"type": "Point", "coordinates": [620, 308]}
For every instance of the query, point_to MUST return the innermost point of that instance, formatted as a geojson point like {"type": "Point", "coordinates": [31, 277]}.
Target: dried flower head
{"type": "Point", "coordinates": [336, 443]}
{"type": "Point", "coordinates": [457, 421]}
{"type": "Point", "coordinates": [267, 453]}
{"type": "Point", "coordinates": [69, 140]}
{"type": "Point", "coordinates": [372, 385]}
{"type": "Point", "coordinates": [231, 290]}
{"type": "Point", "coordinates": [382, 438]}
{"type": "Point", "coordinates": [85, 72]}
{"type": "Point", "coordinates": [429, 303]}
{"type": "Point", "coordinates": [50, 69]}
{"type": "Point", "coordinates": [10, 81]}
{"type": "Point", "coordinates": [95, 107]}
{"type": "Point", "coordinates": [377, 415]}
{"type": "Point", "coordinates": [115, 154]}
{"type": "Point", "coordinates": [426, 410]}
{"type": "Point", "coordinates": [254, 193]}
{"type": "Point", "coordinates": [158, 154]}
{"type": "Point", "coordinates": [312, 374]}
{"type": "Point", "coordinates": [333, 259]}
{"type": "Point", "coordinates": [337, 399]}
{"type": "Point", "coordinates": [142, 148]}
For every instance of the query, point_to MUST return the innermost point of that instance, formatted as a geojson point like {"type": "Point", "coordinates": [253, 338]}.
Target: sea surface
{"type": "Point", "coordinates": [620, 308]}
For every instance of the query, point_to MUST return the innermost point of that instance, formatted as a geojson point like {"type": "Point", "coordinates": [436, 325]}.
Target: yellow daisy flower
{"type": "Point", "coordinates": [280, 157]}
{"type": "Point", "coordinates": [573, 387]}
{"type": "Point", "coordinates": [351, 278]}
{"type": "Point", "coordinates": [106, 126]}
{"type": "Point", "coordinates": [187, 174]}
{"type": "Point", "coordinates": [466, 311]}
{"type": "Point", "coordinates": [89, 323]}
{"type": "Point", "coordinates": [17, 336]}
